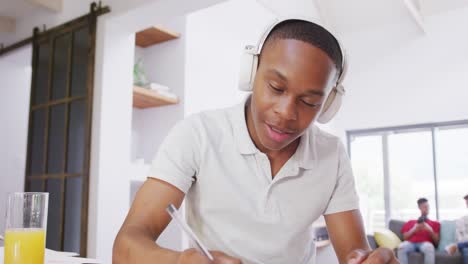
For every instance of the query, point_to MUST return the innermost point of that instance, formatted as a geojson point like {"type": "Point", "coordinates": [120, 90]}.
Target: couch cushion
{"type": "Point", "coordinates": [372, 242]}
{"type": "Point", "coordinates": [441, 258]}
{"type": "Point", "coordinates": [444, 258]}
{"type": "Point", "coordinates": [386, 238]}
{"type": "Point", "coordinates": [395, 226]}
{"type": "Point", "coordinates": [447, 234]}
{"type": "Point", "coordinates": [415, 258]}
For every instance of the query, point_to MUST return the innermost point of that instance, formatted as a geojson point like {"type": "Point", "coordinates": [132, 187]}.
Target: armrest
{"type": "Point", "coordinates": [372, 243]}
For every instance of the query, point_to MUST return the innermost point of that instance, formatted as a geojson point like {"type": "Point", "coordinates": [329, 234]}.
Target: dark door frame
{"type": "Point", "coordinates": [49, 36]}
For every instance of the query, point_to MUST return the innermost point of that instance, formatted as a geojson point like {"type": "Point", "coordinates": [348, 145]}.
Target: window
{"type": "Point", "coordinates": [367, 162]}
{"type": "Point", "coordinates": [411, 173]}
{"type": "Point", "coordinates": [395, 166]}
{"type": "Point", "coordinates": [452, 171]}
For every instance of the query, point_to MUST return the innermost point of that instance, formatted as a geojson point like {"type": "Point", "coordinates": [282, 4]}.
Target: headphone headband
{"type": "Point", "coordinates": [249, 64]}
{"type": "Point", "coordinates": [256, 50]}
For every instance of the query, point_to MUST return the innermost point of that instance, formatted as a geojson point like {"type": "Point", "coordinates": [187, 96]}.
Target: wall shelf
{"type": "Point", "coordinates": [154, 35]}
{"type": "Point", "coordinates": [145, 98]}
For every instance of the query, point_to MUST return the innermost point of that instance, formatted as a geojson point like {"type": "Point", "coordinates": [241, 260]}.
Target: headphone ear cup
{"type": "Point", "coordinates": [248, 69]}
{"type": "Point", "coordinates": [332, 105]}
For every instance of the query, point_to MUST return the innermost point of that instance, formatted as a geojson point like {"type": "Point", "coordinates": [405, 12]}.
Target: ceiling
{"type": "Point", "coordinates": [343, 16]}
{"type": "Point", "coordinates": [18, 8]}
{"type": "Point", "coordinates": [349, 16]}
{"type": "Point", "coordinates": [432, 7]}
{"type": "Point", "coordinates": [357, 15]}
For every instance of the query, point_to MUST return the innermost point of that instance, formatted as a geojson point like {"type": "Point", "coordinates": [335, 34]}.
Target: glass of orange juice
{"type": "Point", "coordinates": [25, 231]}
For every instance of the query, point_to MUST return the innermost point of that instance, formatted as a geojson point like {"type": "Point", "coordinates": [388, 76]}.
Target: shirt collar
{"type": "Point", "coordinates": [306, 150]}
{"type": "Point", "coordinates": [305, 154]}
{"type": "Point", "coordinates": [242, 137]}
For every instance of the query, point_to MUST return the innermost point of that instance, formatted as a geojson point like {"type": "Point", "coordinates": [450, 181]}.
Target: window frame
{"type": "Point", "coordinates": [384, 132]}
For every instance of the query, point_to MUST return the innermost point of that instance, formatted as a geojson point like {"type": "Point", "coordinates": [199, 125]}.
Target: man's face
{"type": "Point", "coordinates": [424, 208]}
{"type": "Point", "coordinates": [290, 87]}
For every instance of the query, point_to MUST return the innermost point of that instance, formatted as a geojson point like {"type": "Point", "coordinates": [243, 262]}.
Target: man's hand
{"type": "Point", "coordinates": [420, 227]}
{"type": "Point", "coordinates": [221, 258]}
{"type": "Point", "coordinates": [192, 256]}
{"type": "Point", "coordinates": [378, 256]}
{"type": "Point", "coordinates": [428, 227]}
{"type": "Point", "coordinates": [416, 228]}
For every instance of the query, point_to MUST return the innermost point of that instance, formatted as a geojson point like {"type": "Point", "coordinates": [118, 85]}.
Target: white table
{"type": "Point", "coordinates": [56, 257]}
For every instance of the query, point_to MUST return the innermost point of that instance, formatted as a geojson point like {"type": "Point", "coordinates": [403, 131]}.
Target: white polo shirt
{"type": "Point", "coordinates": [235, 205]}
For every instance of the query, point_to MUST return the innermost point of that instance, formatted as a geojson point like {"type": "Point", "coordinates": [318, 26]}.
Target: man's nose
{"type": "Point", "coordinates": [286, 108]}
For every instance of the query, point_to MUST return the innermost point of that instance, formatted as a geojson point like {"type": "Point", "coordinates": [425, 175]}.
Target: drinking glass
{"type": "Point", "coordinates": [25, 231]}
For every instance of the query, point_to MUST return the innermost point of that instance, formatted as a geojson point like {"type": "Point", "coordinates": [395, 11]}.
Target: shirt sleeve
{"type": "Point", "coordinates": [406, 227]}
{"type": "Point", "coordinates": [344, 196]}
{"type": "Point", "coordinates": [177, 159]}
{"type": "Point", "coordinates": [461, 229]}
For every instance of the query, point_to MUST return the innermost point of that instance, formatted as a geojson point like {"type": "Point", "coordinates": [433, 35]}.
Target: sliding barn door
{"type": "Point", "coordinates": [59, 137]}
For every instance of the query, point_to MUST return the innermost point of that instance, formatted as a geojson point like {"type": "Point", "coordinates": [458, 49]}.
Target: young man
{"type": "Point", "coordinates": [257, 175]}
{"type": "Point", "coordinates": [420, 235]}
{"type": "Point", "coordinates": [461, 236]}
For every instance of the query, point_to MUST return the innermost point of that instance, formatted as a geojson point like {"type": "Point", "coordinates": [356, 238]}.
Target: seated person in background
{"type": "Point", "coordinates": [420, 235]}
{"type": "Point", "coordinates": [462, 237]}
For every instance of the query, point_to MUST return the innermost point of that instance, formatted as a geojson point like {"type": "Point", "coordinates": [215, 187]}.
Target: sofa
{"type": "Point", "coordinates": [415, 257]}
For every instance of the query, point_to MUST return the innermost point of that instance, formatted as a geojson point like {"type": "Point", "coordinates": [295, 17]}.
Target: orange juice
{"type": "Point", "coordinates": [24, 246]}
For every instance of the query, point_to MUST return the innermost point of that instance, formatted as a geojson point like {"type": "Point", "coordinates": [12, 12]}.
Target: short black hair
{"type": "Point", "coordinates": [311, 33]}
{"type": "Point", "coordinates": [421, 201]}
{"type": "Point", "coordinates": [466, 197]}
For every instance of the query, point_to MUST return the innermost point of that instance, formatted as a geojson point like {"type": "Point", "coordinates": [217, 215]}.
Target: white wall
{"type": "Point", "coordinates": [400, 76]}
{"type": "Point", "coordinates": [216, 37]}
{"type": "Point", "coordinates": [112, 106]}
{"type": "Point", "coordinates": [112, 125]}
{"type": "Point", "coordinates": [164, 64]}
{"type": "Point", "coordinates": [70, 9]}
{"type": "Point", "coordinates": [292, 8]}
{"type": "Point", "coordinates": [15, 76]}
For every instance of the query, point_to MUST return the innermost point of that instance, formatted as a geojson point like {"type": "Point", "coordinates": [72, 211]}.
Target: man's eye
{"type": "Point", "coordinates": [278, 90]}
{"type": "Point", "coordinates": [310, 104]}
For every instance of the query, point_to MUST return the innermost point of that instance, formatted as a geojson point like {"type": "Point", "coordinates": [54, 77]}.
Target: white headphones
{"type": "Point", "coordinates": [249, 64]}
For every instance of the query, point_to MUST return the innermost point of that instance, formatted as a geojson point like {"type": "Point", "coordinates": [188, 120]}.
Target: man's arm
{"type": "Point", "coordinates": [144, 223]}
{"type": "Point", "coordinates": [146, 220]}
{"type": "Point", "coordinates": [347, 235]}
{"type": "Point", "coordinates": [434, 235]}
{"type": "Point", "coordinates": [407, 235]}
